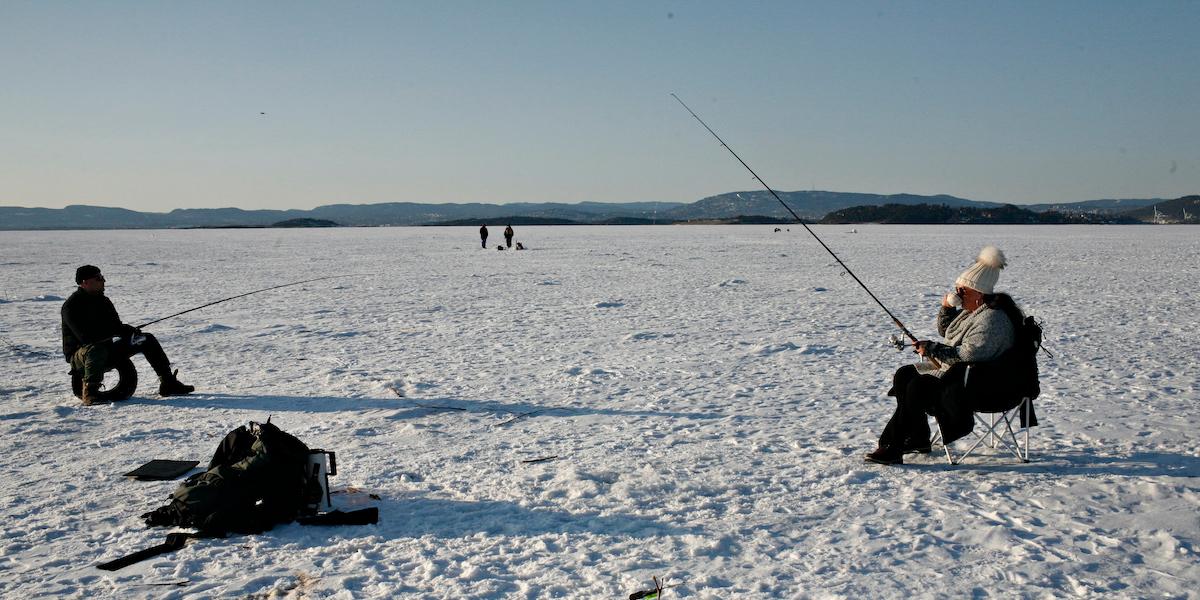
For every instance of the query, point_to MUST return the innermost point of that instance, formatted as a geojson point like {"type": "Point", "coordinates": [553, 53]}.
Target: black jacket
{"type": "Point", "coordinates": [87, 319]}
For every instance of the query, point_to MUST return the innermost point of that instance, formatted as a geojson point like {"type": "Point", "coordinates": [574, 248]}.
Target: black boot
{"type": "Point", "coordinates": [169, 386]}
{"type": "Point", "coordinates": [886, 455]}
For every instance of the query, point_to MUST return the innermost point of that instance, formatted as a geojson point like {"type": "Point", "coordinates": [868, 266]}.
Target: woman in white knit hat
{"type": "Point", "coordinates": [978, 325]}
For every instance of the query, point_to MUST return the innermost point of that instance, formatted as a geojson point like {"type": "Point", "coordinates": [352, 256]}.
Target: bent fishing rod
{"type": "Point", "coordinates": [802, 223]}
{"type": "Point", "coordinates": [184, 312]}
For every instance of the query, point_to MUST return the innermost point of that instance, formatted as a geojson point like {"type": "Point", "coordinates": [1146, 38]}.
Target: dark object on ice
{"type": "Point", "coordinates": [162, 470]}
{"type": "Point", "coordinates": [365, 516]}
{"type": "Point", "coordinates": [520, 246]}
{"type": "Point", "coordinates": [257, 478]}
{"type": "Point", "coordinates": [127, 380]}
{"type": "Point", "coordinates": [538, 460]}
{"type": "Point", "coordinates": [174, 542]}
{"type": "Point", "coordinates": [508, 236]}
{"type": "Point", "coordinates": [499, 247]}
{"type": "Point", "coordinates": [885, 455]}
{"type": "Point", "coordinates": [483, 236]}
{"type": "Point", "coordinates": [654, 594]}
{"type": "Point", "coordinates": [169, 385]}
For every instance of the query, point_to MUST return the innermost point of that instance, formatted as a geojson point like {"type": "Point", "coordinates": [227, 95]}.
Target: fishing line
{"type": "Point", "coordinates": [801, 222]}
{"type": "Point", "coordinates": [184, 312]}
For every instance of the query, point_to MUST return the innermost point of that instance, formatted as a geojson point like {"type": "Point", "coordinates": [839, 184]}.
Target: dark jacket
{"type": "Point", "coordinates": [87, 319]}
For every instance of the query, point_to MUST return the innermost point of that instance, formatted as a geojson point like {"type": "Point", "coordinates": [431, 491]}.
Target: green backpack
{"type": "Point", "coordinates": [257, 478]}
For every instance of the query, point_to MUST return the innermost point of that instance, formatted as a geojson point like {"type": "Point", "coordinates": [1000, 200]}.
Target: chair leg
{"type": "Point", "coordinates": [946, 447]}
{"type": "Point", "coordinates": [993, 438]}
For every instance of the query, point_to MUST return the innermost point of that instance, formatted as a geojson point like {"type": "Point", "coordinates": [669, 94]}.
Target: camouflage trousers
{"type": "Point", "coordinates": [94, 360]}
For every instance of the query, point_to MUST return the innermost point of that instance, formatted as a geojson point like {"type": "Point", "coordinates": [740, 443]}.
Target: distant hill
{"type": "Point", "coordinates": [305, 223]}
{"type": "Point", "coordinates": [733, 207]}
{"type": "Point", "coordinates": [1094, 206]}
{"type": "Point", "coordinates": [1169, 211]}
{"type": "Point", "coordinates": [930, 214]}
{"type": "Point", "coordinates": [808, 204]}
{"type": "Point", "coordinates": [499, 223]}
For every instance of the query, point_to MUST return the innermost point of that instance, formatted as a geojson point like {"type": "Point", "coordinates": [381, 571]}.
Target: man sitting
{"type": "Point", "coordinates": [94, 338]}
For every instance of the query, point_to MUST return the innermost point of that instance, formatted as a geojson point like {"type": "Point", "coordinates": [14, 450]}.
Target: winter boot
{"type": "Point", "coordinates": [886, 455]}
{"type": "Point", "coordinates": [168, 385]}
{"type": "Point", "coordinates": [91, 393]}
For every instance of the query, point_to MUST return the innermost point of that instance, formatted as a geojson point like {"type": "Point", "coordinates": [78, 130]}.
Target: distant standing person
{"type": "Point", "coordinates": [483, 236]}
{"type": "Point", "coordinates": [508, 235]}
{"type": "Point", "coordinates": [94, 337]}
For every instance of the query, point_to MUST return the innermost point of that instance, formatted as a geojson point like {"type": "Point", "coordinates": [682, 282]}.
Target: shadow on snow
{"type": "Point", "coordinates": [406, 408]}
{"type": "Point", "coordinates": [1137, 464]}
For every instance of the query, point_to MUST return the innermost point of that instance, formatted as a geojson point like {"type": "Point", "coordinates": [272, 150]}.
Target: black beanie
{"type": "Point", "coordinates": [86, 272]}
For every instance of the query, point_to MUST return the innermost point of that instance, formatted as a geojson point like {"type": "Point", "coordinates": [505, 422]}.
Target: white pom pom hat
{"type": "Point", "coordinates": [982, 275]}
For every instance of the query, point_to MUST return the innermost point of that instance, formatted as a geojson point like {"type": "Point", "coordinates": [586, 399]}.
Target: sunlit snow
{"type": "Point", "coordinates": [707, 393]}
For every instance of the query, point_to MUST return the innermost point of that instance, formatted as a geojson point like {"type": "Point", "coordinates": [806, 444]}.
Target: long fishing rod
{"type": "Point", "coordinates": [801, 222]}
{"type": "Point", "coordinates": [184, 312]}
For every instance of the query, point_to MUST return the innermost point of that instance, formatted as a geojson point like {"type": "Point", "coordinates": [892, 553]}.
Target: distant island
{"type": "Point", "coordinates": [758, 207]}
{"type": "Point", "coordinates": [306, 223]}
{"type": "Point", "coordinates": [929, 214]}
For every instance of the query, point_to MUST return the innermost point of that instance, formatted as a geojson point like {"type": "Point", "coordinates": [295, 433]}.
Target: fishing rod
{"type": "Point", "coordinates": [184, 312]}
{"type": "Point", "coordinates": [802, 224]}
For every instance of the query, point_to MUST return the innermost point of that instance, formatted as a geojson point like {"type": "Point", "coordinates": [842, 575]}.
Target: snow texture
{"type": "Point", "coordinates": [707, 393]}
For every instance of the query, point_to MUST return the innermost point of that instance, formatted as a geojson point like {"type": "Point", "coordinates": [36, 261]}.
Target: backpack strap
{"type": "Point", "coordinates": [174, 542]}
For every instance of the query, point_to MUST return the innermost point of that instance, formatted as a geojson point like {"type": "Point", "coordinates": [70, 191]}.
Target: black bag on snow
{"type": "Point", "coordinates": [256, 479]}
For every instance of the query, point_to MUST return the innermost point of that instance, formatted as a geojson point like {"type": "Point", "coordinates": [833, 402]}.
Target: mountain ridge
{"type": "Point", "coordinates": [727, 207]}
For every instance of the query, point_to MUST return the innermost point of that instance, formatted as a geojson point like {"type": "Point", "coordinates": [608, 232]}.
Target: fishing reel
{"type": "Point", "coordinates": [898, 342]}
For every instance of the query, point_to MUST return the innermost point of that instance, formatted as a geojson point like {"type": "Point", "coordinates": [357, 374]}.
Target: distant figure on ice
{"type": "Point", "coordinates": [508, 235]}
{"type": "Point", "coordinates": [983, 329]}
{"type": "Point", "coordinates": [94, 338]}
{"type": "Point", "coordinates": [483, 236]}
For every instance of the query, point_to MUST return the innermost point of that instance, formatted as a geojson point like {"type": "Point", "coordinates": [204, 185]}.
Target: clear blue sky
{"type": "Point", "coordinates": [156, 105]}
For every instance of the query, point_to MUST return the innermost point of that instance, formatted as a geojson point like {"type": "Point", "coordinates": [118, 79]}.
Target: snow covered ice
{"type": "Point", "coordinates": [708, 393]}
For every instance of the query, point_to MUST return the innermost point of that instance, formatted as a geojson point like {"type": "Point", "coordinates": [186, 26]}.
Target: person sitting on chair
{"type": "Point", "coordinates": [981, 331]}
{"type": "Point", "coordinates": [94, 338]}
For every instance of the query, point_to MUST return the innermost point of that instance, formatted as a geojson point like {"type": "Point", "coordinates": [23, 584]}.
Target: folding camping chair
{"type": "Point", "coordinates": [1006, 421]}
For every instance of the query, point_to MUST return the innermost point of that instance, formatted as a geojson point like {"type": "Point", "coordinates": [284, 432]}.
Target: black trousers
{"type": "Point", "coordinates": [916, 396]}
{"type": "Point", "coordinates": [148, 347]}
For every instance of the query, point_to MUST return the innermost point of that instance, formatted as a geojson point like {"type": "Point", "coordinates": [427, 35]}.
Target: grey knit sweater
{"type": "Point", "coordinates": [970, 337]}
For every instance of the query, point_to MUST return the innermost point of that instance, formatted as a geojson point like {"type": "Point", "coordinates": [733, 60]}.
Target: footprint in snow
{"type": "Point", "coordinates": [860, 476]}
{"type": "Point", "coordinates": [649, 335]}
{"type": "Point", "coordinates": [614, 304]}
{"type": "Point", "coordinates": [215, 327]}
{"type": "Point", "coordinates": [773, 348]}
